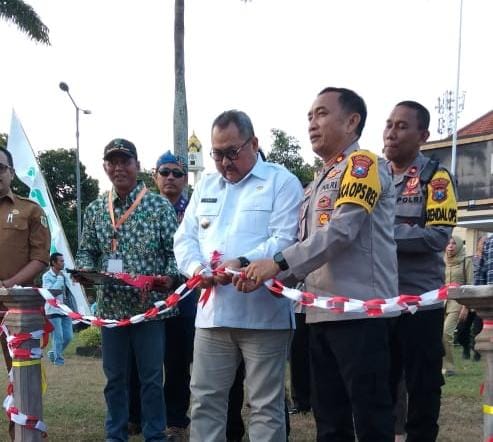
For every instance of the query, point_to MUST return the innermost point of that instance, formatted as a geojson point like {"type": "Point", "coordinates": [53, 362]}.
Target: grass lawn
{"type": "Point", "coordinates": [74, 406]}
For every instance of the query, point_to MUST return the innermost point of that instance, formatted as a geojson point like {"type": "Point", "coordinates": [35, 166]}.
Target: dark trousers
{"type": "Point", "coordinates": [179, 354]}
{"type": "Point", "coordinates": [147, 342]}
{"type": "Point", "coordinates": [350, 366]}
{"type": "Point", "coordinates": [179, 333]}
{"type": "Point", "coordinates": [235, 428]}
{"type": "Point", "coordinates": [417, 349]}
{"type": "Point", "coordinates": [471, 325]}
{"type": "Point", "coordinates": [299, 364]}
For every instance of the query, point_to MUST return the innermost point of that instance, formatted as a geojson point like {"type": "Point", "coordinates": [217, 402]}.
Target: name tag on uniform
{"type": "Point", "coordinates": [115, 265]}
{"type": "Point", "coordinates": [208, 200]}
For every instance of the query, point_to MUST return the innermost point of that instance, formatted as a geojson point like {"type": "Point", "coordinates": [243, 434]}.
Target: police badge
{"type": "Point", "coordinates": [361, 164]}
{"type": "Point", "coordinates": [439, 189]}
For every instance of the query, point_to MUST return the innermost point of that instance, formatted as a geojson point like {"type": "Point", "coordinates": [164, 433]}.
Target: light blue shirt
{"type": "Point", "coordinates": [57, 282]}
{"type": "Point", "coordinates": [255, 218]}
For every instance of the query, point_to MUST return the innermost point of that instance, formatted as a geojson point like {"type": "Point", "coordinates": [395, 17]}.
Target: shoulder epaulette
{"type": "Point", "coordinates": [27, 199]}
{"type": "Point", "coordinates": [428, 171]}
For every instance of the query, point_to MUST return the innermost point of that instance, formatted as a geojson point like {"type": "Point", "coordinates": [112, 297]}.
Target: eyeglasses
{"type": "Point", "coordinates": [4, 168]}
{"type": "Point", "coordinates": [175, 172]}
{"type": "Point", "coordinates": [231, 153]}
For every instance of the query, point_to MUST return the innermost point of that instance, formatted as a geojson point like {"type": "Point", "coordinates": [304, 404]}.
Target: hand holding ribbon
{"type": "Point", "coordinates": [262, 270]}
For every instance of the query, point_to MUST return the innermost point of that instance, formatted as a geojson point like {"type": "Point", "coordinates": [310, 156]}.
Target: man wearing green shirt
{"type": "Point", "coordinates": [129, 229]}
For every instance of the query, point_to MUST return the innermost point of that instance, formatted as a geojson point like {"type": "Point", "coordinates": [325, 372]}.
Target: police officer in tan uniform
{"type": "Point", "coordinates": [346, 248]}
{"type": "Point", "coordinates": [426, 212]}
{"type": "Point", "coordinates": [24, 238]}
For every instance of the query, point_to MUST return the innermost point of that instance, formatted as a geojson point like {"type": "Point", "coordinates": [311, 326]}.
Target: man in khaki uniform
{"type": "Point", "coordinates": [24, 238]}
{"type": "Point", "coordinates": [345, 248]}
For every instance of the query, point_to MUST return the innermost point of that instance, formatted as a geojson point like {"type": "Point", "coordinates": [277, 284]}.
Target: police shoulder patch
{"type": "Point", "coordinates": [441, 204]}
{"type": "Point", "coordinates": [360, 183]}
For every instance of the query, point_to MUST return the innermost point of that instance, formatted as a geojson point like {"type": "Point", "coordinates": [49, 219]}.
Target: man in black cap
{"type": "Point", "coordinates": [130, 230]}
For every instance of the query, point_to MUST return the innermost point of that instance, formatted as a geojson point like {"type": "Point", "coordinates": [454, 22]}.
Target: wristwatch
{"type": "Point", "coordinates": [280, 261]}
{"type": "Point", "coordinates": [244, 262]}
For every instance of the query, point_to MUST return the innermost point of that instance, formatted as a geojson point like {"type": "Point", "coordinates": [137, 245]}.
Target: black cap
{"type": "Point", "coordinates": [120, 145]}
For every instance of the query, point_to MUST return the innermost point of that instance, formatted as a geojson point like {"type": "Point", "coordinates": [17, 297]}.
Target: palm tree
{"type": "Point", "coordinates": [26, 19]}
{"type": "Point", "coordinates": [180, 113]}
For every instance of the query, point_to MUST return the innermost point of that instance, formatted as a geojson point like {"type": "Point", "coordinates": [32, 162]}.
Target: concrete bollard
{"type": "Point", "coordinates": [480, 299]}
{"type": "Point", "coordinates": [25, 315]}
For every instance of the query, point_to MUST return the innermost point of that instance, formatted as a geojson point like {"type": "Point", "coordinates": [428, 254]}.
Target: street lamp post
{"type": "Point", "coordinates": [64, 87]}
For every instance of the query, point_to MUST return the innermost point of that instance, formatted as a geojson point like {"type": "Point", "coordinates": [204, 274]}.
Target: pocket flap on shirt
{"type": "Point", "coordinates": [17, 223]}
{"type": "Point", "coordinates": [208, 209]}
{"type": "Point", "coordinates": [258, 204]}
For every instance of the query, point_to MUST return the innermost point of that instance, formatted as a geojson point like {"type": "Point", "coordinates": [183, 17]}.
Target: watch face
{"type": "Point", "coordinates": [280, 261]}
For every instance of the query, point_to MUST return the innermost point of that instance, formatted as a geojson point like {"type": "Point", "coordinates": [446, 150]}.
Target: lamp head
{"type": "Point", "coordinates": [63, 86]}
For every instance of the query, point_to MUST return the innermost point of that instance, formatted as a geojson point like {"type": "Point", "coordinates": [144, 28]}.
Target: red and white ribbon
{"type": "Point", "coordinates": [14, 341]}
{"type": "Point", "coordinates": [372, 307]}
{"type": "Point", "coordinates": [31, 422]}
{"type": "Point", "coordinates": [159, 308]}
{"type": "Point", "coordinates": [14, 415]}
{"type": "Point", "coordinates": [344, 304]}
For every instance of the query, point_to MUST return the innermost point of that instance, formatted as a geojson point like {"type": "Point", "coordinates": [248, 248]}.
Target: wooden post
{"type": "Point", "coordinates": [25, 315]}
{"type": "Point", "coordinates": [480, 299]}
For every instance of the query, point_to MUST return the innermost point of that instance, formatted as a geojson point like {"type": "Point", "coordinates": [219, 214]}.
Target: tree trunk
{"type": "Point", "coordinates": [180, 114]}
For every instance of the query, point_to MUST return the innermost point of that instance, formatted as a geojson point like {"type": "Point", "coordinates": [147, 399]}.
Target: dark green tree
{"type": "Point", "coordinates": [26, 19]}
{"type": "Point", "coordinates": [286, 150]}
{"type": "Point", "coordinates": [146, 176]}
{"type": "Point", "coordinates": [58, 167]}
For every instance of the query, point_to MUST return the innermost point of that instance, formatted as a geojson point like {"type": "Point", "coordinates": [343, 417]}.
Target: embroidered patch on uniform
{"type": "Point", "coordinates": [323, 218]}
{"type": "Point", "coordinates": [412, 171]}
{"type": "Point", "coordinates": [439, 189]}
{"type": "Point", "coordinates": [259, 187]}
{"type": "Point", "coordinates": [323, 202]}
{"type": "Point", "coordinates": [361, 165]}
{"type": "Point", "coordinates": [411, 187]}
{"type": "Point", "coordinates": [360, 183]}
{"type": "Point", "coordinates": [44, 221]}
{"type": "Point", "coordinates": [333, 173]}
{"type": "Point", "coordinates": [208, 200]}
{"type": "Point", "coordinates": [441, 203]}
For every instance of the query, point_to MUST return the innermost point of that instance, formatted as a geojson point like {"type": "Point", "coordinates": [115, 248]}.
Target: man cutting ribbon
{"type": "Point", "coordinates": [247, 210]}
{"type": "Point", "coordinates": [129, 229]}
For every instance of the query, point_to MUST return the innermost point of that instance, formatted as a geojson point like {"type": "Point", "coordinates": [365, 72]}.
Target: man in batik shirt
{"type": "Point", "coordinates": [129, 229]}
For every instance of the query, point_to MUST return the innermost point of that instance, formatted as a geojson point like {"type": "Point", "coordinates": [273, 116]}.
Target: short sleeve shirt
{"type": "Point", "coordinates": [24, 235]}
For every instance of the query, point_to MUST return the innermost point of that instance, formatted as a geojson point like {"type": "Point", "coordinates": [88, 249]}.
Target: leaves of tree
{"type": "Point", "coordinates": [26, 19]}
{"type": "Point", "coordinates": [286, 150]}
{"type": "Point", "coordinates": [58, 167]}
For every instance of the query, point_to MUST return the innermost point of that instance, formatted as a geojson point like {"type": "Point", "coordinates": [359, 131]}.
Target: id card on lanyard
{"type": "Point", "coordinates": [115, 265]}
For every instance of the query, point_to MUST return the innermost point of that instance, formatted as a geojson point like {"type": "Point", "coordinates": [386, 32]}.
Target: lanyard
{"type": "Point", "coordinates": [118, 223]}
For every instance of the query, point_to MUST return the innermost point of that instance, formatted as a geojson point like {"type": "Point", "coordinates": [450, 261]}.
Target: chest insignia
{"type": "Point", "coordinates": [323, 218]}
{"type": "Point", "coordinates": [412, 171]}
{"type": "Point", "coordinates": [323, 202]}
{"type": "Point", "coordinates": [333, 173]}
{"type": "Point", "coordinates": [412, 187]}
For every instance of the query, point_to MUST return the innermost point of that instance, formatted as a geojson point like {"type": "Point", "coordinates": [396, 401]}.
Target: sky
{"type": "Point", "coordinates": [268, 58]}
